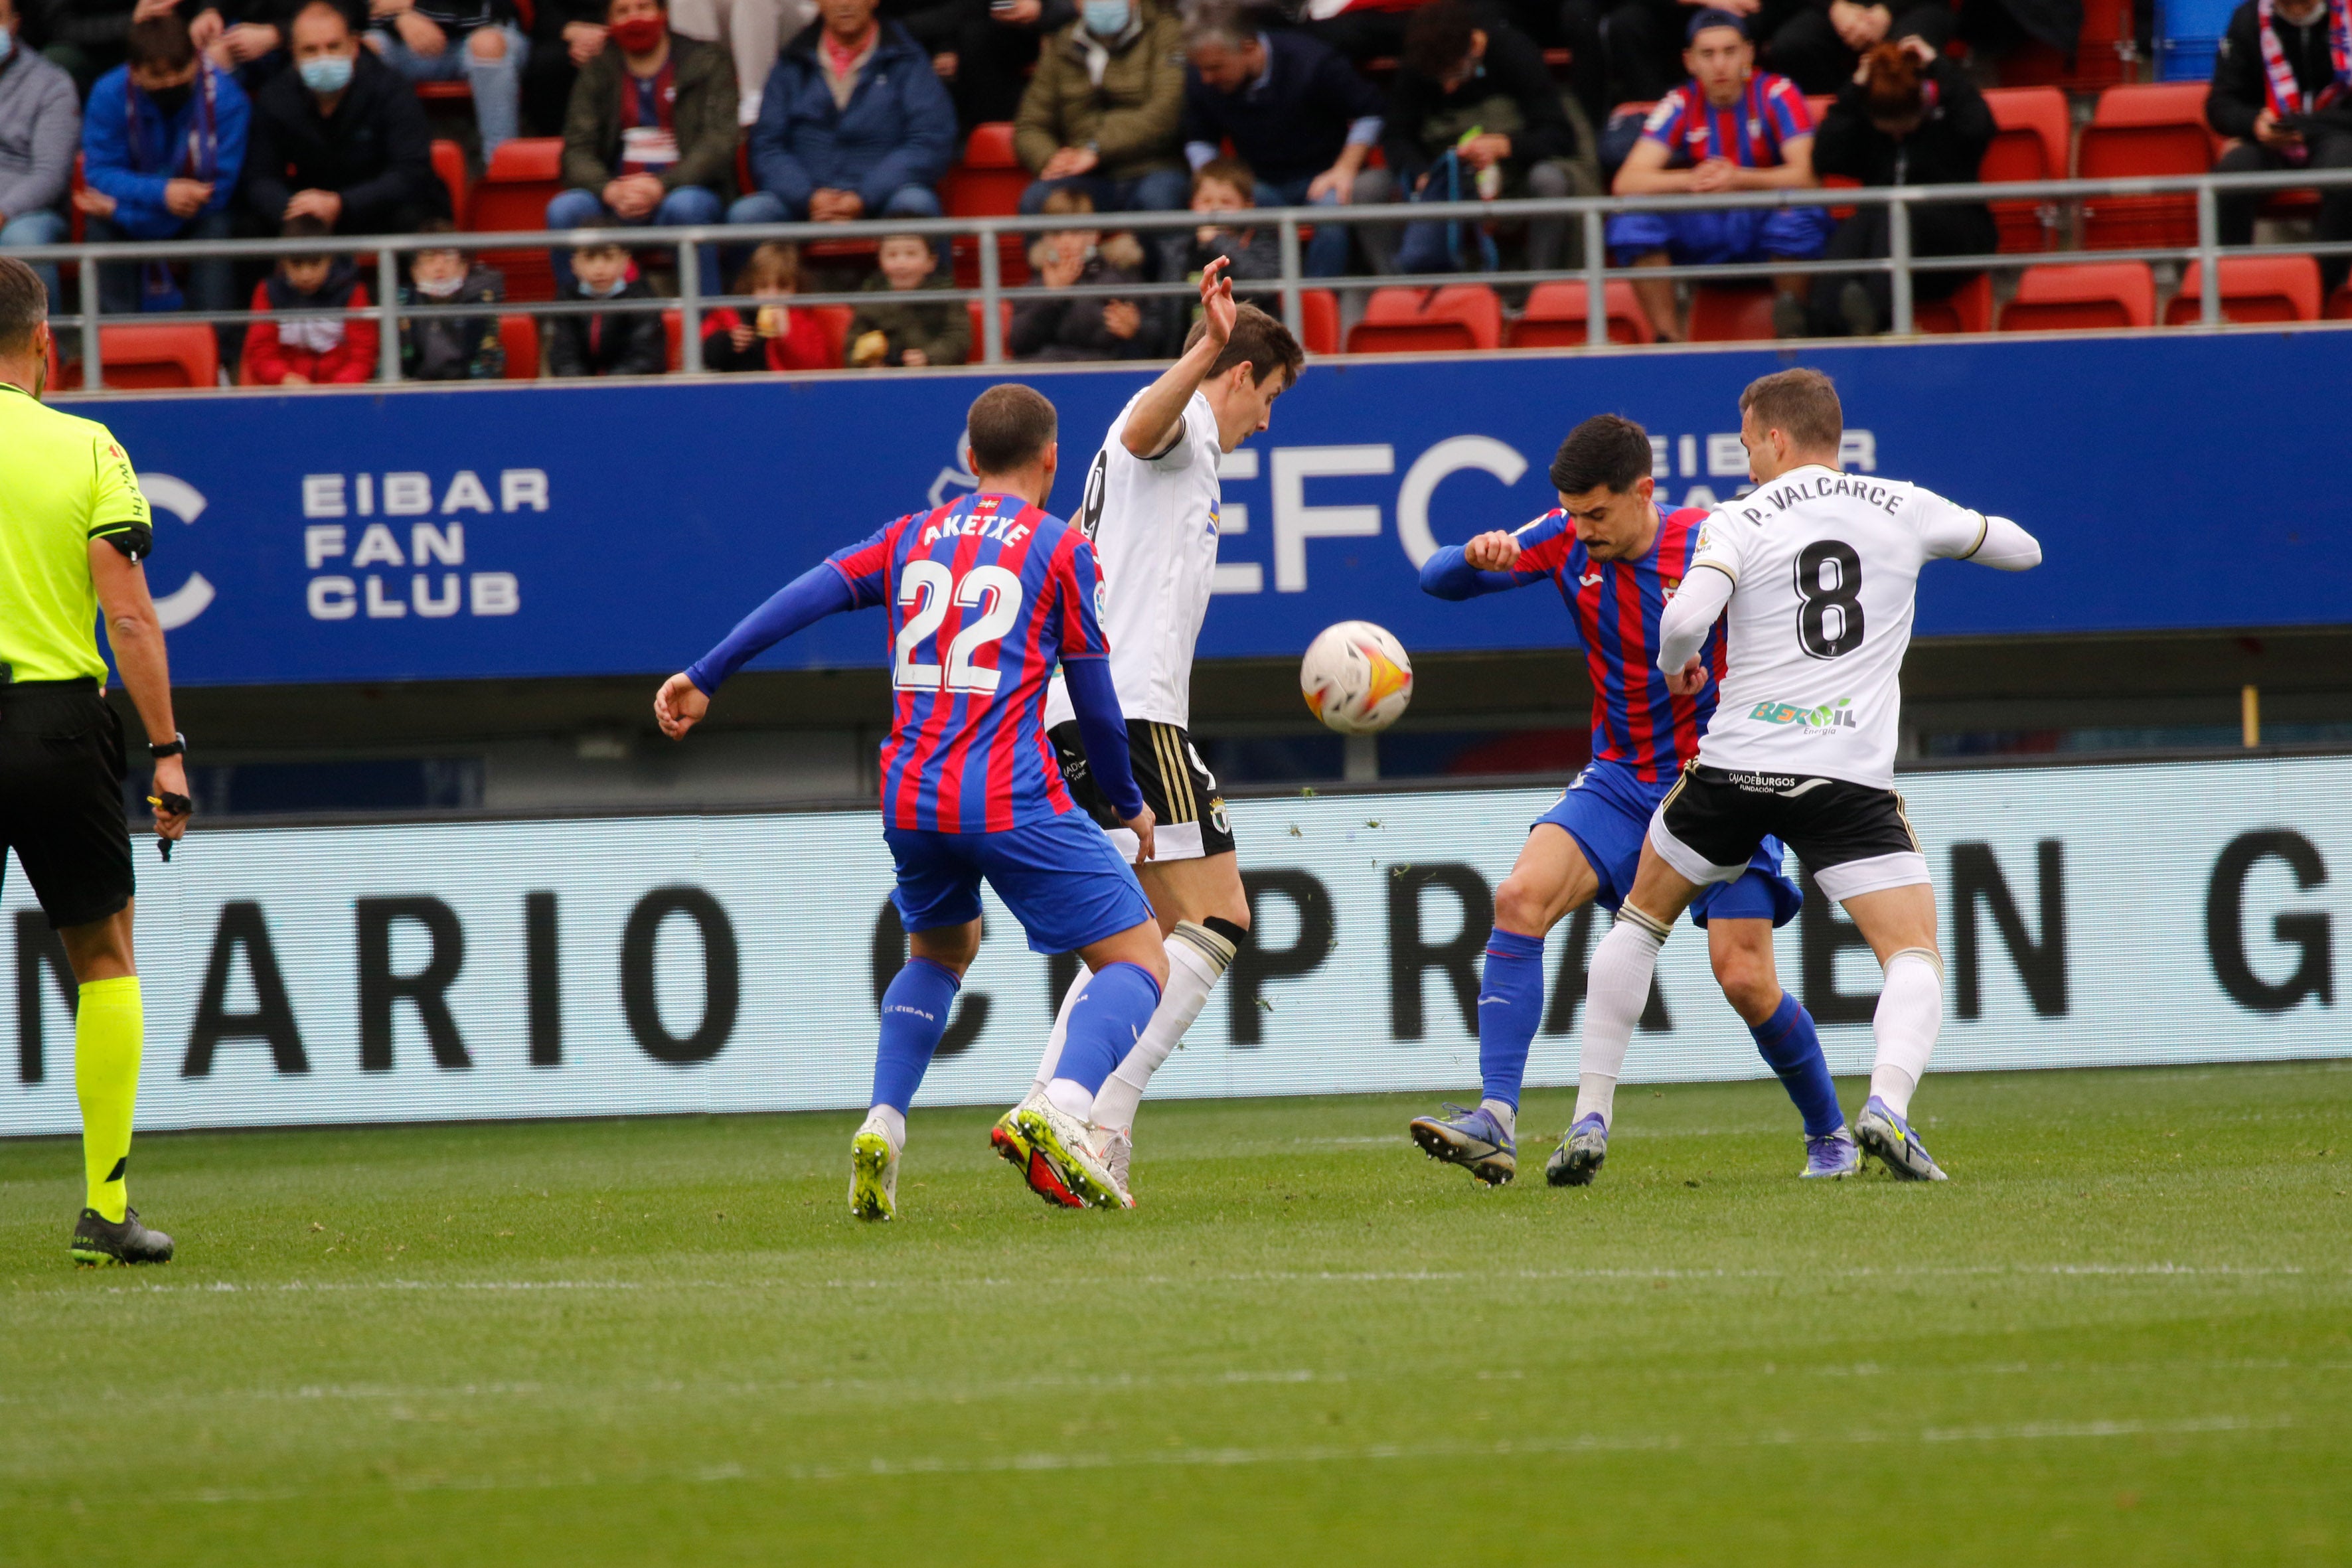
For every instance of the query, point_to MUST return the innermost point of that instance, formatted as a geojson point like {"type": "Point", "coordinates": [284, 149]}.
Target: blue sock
{"type": "Point", "coordinates": [1110, 1015]}
{"type": "Point", "coordinates": [1510, 1005]}
{"type": "Point", "coordinates": [914, 1016]}
{"type": "Point", "coordinates": [1787, 1042]}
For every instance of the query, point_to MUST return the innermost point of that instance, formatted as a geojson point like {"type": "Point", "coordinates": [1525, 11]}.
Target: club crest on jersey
{"type": "Point", "coordinates": [1667, 586]}
{"type": "Point", "coordinates": [1829, 716]}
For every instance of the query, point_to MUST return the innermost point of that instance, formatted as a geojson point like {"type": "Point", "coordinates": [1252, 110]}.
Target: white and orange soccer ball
{"type": "Point", "coordinates": [1356, 678]}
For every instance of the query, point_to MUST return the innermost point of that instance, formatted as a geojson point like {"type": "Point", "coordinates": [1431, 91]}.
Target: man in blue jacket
{"type": "Point", "coordinates": [854, 124]}
{"type": "Point", "coordinates": [163, 145]}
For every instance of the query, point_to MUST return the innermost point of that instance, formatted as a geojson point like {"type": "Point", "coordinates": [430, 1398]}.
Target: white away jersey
{"type": "Point", "coordinates": [1823, 565]}
{"type": "Point", "coordinates": [1154, 525]}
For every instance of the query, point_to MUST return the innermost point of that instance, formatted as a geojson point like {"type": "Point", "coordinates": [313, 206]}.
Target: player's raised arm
{"type": "Point", "coordinates": [1157, 418]}
{"type": "Point", "coordinates": [822, 590]}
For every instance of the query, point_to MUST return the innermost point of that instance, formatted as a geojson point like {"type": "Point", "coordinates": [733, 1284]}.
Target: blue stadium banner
{"type": "Point", "coordinates": [620, 529]}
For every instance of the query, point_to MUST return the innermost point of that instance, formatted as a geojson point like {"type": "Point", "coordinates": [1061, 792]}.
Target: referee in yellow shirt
{"type": "Point", "coordinates": [73, 529]}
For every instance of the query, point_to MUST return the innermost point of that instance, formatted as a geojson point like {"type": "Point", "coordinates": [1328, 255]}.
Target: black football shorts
{"type": "Point", "coordinates": [61, 770]}
{"type": "Point", "coordinates": [1854, 839]}
{"type": "Point", "coordinates": [1188, 815]}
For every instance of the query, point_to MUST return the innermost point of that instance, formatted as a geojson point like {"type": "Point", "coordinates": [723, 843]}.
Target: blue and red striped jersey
{"type": "Point", "coordinates": [1769, 115]}
{"type": "Point", "coordinates": [1616, 605]}
{"type": "Point", "coordinates": [985, 596]}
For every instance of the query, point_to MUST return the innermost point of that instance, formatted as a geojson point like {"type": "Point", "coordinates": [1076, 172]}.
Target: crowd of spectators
{"type": "Point", "coordinates": [212, 119]}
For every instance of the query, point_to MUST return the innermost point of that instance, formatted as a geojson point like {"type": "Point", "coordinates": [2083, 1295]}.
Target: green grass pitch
{"type": "Point", "coordinates": [2122, 1333]}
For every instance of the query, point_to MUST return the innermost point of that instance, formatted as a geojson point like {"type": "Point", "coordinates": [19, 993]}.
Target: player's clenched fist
{"type": "Point", "coordinates": [679, 706]}
{"type": "Point", "coordinates": [1492, 552]}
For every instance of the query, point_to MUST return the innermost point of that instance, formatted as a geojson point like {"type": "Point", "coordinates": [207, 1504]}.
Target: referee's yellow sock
{"type": "Point", "coordinates": [109, 1029]}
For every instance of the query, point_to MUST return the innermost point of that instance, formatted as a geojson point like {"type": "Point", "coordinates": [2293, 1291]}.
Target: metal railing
{"type": "Point", "coordinates": [1591, 213]}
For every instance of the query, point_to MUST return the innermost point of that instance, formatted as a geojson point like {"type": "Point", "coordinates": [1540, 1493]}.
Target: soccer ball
{"type": "Point", "coordinates": [1356, 678]}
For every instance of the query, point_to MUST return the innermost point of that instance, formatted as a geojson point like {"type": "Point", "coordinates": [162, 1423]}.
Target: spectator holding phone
{"type": "Point", "coordinates": [1050, 324]}
{"type": "Point", "coordinates": [2282, 93]}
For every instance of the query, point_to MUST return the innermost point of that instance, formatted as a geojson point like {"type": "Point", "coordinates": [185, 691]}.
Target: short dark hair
{"type": "Point", "coordinates": [1437, 37]}
{"type": "Point", "coordinates": [24, 305]}
{"type": "Point", "coordinates": [162, 42]}
{"type": "Point", "coordinates": [1230, 172]}
{"type": "Point", "coordinates": [1802, 404]}
{"type": "Point", "coordinates": [1260, 339]}
{"type": "Point", "coordinates": [1010, 424]}
{"type": "Point", "coordinates": [303, 226]}
{"type": "Point", "coordinates": [1607, 451]}
{"type": "Point", "coordinates": [1219, 22]}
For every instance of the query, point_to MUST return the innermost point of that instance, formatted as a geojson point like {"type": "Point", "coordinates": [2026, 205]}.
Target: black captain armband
{"type": "Point", "coordinates": [135, 540]}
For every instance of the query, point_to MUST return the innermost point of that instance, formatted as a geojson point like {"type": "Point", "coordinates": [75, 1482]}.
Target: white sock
{"type": "Point", "coordinates": [1616, 989]}
{"type": "Point", "coordinates": [1910, 1016]}
{"type": "Point", "coordinates": [1071, 1097]}
{"type": "Point", "coordinates": [1060, 1032]}
{"type": "Point", "coordinates": [893, 1123]}
{"type": "Point", "coordinates": [1197, 957]}
{"type": "Point", "coordinates": [1504, 1113]}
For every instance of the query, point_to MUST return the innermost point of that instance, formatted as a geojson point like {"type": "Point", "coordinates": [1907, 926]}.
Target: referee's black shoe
{"type": "Point", "coordinates": [100, 1240]}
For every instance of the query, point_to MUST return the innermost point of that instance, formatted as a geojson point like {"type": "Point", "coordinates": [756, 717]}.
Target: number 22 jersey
{"type": "Point", "coordinates": [1824, 568]}
{"type": "Point", "coordinates": [986, 596]}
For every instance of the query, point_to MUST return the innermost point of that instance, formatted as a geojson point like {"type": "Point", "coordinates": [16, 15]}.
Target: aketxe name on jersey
{"type": "Point", "coordinates": [1616, 605]}
{"type": "Point", "coordinates": [986, 596]}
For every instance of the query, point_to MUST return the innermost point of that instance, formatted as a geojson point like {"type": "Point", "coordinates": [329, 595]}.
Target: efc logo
{"type": "Point", "coordinates": [1835, 715]}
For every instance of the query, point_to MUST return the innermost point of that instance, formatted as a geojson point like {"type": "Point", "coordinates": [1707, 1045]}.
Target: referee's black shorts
{"type": "Point", "coordinates": [61, 771]}
{"type": "Point", "coordinates": [1188, 819]}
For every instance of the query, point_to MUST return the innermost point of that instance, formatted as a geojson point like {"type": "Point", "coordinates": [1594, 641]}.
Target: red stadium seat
{"type": "Point", "coordinates": [979, 322]}
{"type": "Point", "coordinates": [449, 166]}
{"type": "Point", "coordinates": [141, 357]}
{"type": "Point", "coordinates": [674, 330]}
{"type": "Point", "coordinates": [2253, 288]}
{"type": "Point", "coordinates": [2055, 299]}
{"type": "Point", "coordinates": [1556, 315]}
{"type": "Point", "coordinates": [1731, 313]}
{"type": "Point", "coordinates": [524, 175]}
{"type": "Point", "coordinates": [1459, 317]}
{"type": "Point", "coordinates": [457, 91]}
{"type": "Point", "coordinates": [519, 335]}
{"type": "Point", "coordinates": [1318, 320]}
{"type": "Point", "coordinates": [987, 184]}
{"type": "Point", "coordinates": [1969, 309]}
{"type": "Point", "coordinates": [2033, 130]}
{"type": "Point", "coordinates": [2106, 51]}
{"type": "Point", "coordinates": [2156, 129]}
{"type": "Point", "coordinates": [2339, 304]}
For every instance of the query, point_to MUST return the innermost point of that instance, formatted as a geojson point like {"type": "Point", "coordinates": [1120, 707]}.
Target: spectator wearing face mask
{"type": "Point", "coordinates": [340, 138]}
{"type": "Point", "coordinates": [1102, 113]}
{"type": "Point", "coordinates": [450, 348]}
{"type": "Point", "coordinates": [650, 134]}
{"type": "Point", "coordinates": [1909, 117]}
{"type": "Point", "coordinates": [607, 342]}
{"type": "Point", "coordinates": [162, 150]}
{"type": "Point", "coordinates": [39, 120]}
{"type": "Point", "coordinates": [317, 331]}
{"type": "Point", "coordinates": [1049, 324]}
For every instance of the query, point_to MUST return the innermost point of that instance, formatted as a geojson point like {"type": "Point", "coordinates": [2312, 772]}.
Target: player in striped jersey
{"type": "Point", "coordinates": [985, 597]}
{"type": "Point", "coordinates": [1617, 560]}
{"type": "Point", "coordinates": [1729, 128]}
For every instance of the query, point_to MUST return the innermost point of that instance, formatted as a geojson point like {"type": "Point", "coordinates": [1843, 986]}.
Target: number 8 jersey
{"type": "Point", "coordinates": [986, 596]}
{"type": "Point", "coordinates": [1824, 566]}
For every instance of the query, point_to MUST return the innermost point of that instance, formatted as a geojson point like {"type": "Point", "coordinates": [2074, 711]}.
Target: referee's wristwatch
{"type": "Point", "coordinates": [177, 746]}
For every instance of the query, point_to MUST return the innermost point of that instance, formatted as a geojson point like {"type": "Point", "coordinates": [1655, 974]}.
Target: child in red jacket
{"type": "Point", "coordinates": [778, 336]}
{"type": "Point", "coordinates": [308, 348]}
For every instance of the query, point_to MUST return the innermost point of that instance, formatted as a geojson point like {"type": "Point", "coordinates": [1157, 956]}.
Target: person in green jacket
{"type": "Point", "coordinates": [1101, 114]}
{"type": "Point", "coordinates": [902, 331]}
{"type": "Point", "coordinates": [649, 135]}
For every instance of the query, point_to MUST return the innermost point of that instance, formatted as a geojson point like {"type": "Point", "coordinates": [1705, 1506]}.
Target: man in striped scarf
{"type": "Point", "coordinates": [2280, 94]}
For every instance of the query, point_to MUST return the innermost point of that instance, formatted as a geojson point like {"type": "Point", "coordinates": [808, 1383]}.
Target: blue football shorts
{"type": "Point", "coordinates": [1607, 811]}
{"type": "Point", "coordinates": [1061, 878]}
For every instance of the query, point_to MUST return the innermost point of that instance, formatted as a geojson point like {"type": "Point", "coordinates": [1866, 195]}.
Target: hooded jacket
{"type": "Point", "coordinates": [898, 130]}
{"type": "Point", "coordinates": [1129, 116]}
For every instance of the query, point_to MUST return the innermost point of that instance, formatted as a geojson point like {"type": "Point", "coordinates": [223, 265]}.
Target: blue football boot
{"type": "Point", "coordinates": [1472, 1140]}
{"type": "Point", "coordinates": [1889, 1137]}
{"type": "Point", "coordinates": [1831, 1156]}
{"type": "Point", "coordinates": [1577, 1159]}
